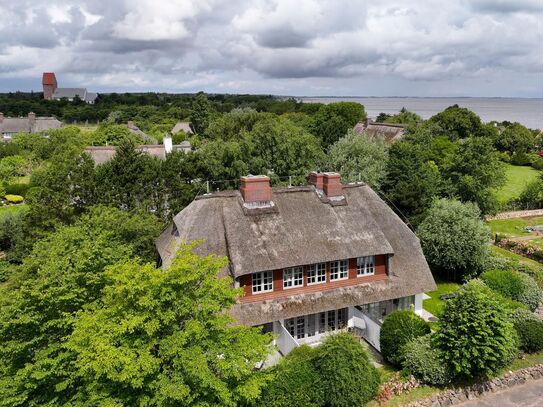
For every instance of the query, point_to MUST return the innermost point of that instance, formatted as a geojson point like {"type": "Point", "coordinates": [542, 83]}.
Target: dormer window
{"type": "Point", "coordinates": [262, 282]}
{"type": "Point", "coordinates": [293, 277]}
{"type": "Point", "coordinates": [339, 270]}
{"type": "Point", "coordinates": [365, 266]}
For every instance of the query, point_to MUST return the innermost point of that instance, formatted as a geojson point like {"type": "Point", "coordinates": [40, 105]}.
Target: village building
{"type": "Point", "coordinates": [51, 91]}
{"type": "Point", "coordinates": [183, 126]}
{"type": "Point", "coordinates": [311, 260]}
{"type": "Point", "coordinates": [136, 131]}
{"type": "Point", "coordinates": [102, 154]}
{"type": "Point", "coordinates": [9, 126]}
{"type": "Point", "coordinates": [389, 132]}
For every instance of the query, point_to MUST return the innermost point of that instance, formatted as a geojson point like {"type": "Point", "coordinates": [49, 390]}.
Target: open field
{"type": "Point", "coordinates": [517, 179]}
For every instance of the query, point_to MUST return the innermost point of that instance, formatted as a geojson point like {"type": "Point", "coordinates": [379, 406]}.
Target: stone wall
{"type": "Point", "coordinates": [516, 214]}
{"type": "Point", "coordinates": [455, 396]}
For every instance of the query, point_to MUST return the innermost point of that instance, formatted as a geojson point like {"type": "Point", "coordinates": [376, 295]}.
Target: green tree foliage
{"type": "Point", "coordinates": [161, 338]}
{"type": "Point", "coordinates": [233, 125]}
{"type": "Point", "coordinates": [359, 155]}
{"type": "Point", "coordinates": [399, 328]}
{"type": "Point", "coordinates": [476, 170]}
{"type": "Point", "coordinates": [345, 369]}
{"type": "Point", "coordinates": [458, 123]}
{"type": "Point", "coordinates": [532, 195]}
{"type": "Point", "coordinates": [113, 134]}
{"type": "Point", "coordinates": [514, 285]}
{"type": "Point", "coordinates": [515, 138]}
{"type": "Point", "coordinates": [404, 117]}
{"type": "Point", "coordinates": [202, 112]}
{"type": "Point", "coordinates": [454, 238]}
{"type": "Point", "coordinates": [412, 180]}
{"type": "Point", "coordinates": [425, 361]}
{"type": "Point", "coordinates": [12, 166]}
{"type": "Point", "coordinates": [294, 381]}
{"type": "Point", "coordinates": [333, 120]}
{"type": "Point", "coordinates": [475, 334]}
{"type": "Point", "coordinates": [63, 273]}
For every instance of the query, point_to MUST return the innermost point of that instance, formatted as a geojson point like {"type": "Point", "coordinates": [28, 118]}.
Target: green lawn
{"type": "Point", "coordinates": [435, 304]}
{"type": "Point", "coordinates": [517, 178]}
{"type": "Point", "coordinates": [514, 227]}
{"type": "Point", "coordinates": [11, 209]}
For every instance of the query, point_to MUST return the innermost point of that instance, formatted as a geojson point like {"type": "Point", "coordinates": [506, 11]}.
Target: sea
{"type": "Point", "coordinates": [528, 112]}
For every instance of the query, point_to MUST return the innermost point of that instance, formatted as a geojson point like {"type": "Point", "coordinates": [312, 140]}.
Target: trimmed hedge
{"type": "Point", "coordinates": [399, 328]}
{"type": "Point", "coordinates": [531, 294]}
{"type": "Point", "coordinates": [425, 362]}
{"type": "Point", "coordinates": [515, 286]}
{"type": "Point", "coordinates": [350, 379]}
{"type": "Point", "coordinates": [294, 381]}
{"type": "Point", "coordinates": [530, 330]}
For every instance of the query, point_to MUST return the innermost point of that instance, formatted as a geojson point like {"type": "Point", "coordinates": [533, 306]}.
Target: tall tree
{"type": "Point", "coordinates": [333, 120]}
{"type": "Point", "coordinates": [159, 338]}
{"type": "Point", "coordinates": [202, 111]}
{"type": "Point", "coordinates": [458, 122]}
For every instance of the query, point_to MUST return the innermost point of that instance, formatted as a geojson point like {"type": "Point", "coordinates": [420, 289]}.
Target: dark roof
{"type": "Point", "coordinates": [24, 125]}
{"type": "Point", "coordinates": [70, 93]}
{"type": "Point", "coordinates": [389, 132]}
{"type": "Point", "coordinates": [302, 229]}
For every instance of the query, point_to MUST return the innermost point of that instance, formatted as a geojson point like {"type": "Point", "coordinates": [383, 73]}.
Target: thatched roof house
{"type": "Point", "coordinates": [389, 132]}
{"type": "Point", "coordinates": [9, 126]}
{"type": "Point", "coordinates": [183, 126]}
{"type": "Point", "coordinates": [363, 253]}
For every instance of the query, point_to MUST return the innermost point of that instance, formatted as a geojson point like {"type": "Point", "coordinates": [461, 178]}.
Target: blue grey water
{"type": "Point", "coordinates": [529, 112]}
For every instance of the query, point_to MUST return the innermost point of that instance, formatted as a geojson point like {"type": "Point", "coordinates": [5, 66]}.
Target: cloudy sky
{"type": "Point", "coordinates": [287, 47]}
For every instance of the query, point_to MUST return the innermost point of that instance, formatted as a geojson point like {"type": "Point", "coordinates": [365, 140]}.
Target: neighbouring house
{"type": "Point", "coordinates": [389, 132]}
{"type": "Point", "coordinates": [311, 260]}
{"type": "Point", "coordinates": [51, 91]}
{"type": "Point", "coordinates": [143, 136]}
{"type": "Point", "coordinates": [183, 126]}
{"type": "Point", "coordinates": [102, 154]}
{"type": "Point", "coordinates": [9, 126]}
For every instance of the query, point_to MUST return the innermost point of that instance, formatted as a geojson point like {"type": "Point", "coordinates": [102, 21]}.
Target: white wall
{"type": "Point", "coordinates": [418, 303]}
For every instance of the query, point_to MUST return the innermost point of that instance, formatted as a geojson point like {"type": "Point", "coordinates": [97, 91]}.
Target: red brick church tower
{"type": "Point", "coordinates": [49, 82]}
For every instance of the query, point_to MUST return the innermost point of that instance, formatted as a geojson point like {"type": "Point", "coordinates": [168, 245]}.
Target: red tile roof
{"type": "Point", "coordinates": [49, 78]}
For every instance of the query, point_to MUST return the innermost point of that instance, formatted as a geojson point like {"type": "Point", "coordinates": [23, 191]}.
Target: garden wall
{"type": "Point", "coordinates": [516, 214]}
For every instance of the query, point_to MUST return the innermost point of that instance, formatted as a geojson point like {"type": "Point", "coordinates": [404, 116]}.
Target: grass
{"type": "Point", "coordinates": [498, 251]}
{"type": "Point", "coordinates": [11, 209]}
{"type": "Point", "coordinates": [514, 227]}
{"type": "Point", "coordinates": [517, 179]}
{"type": "Point", "coordinates": [435, 304]}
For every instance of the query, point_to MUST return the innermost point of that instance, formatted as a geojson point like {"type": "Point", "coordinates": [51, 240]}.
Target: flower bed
{"type": "Point", "coordinates": [523, 248]}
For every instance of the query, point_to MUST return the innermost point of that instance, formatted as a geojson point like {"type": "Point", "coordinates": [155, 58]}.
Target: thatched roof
{"type": "Point", "coordinates": [389, 132]}
{"type": "Point", "coordinates": [302, 229]}
{"type": "Point", "coordinates": [185, 126]}
{"type": "Point", "coordinates": [25, 125]}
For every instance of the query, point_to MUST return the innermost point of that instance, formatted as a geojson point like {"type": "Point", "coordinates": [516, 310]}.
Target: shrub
{"type": "Point", "coordinates": [294, 381]}
{"type": "Point", "coordinates": [515, 286]}
{"type": "Point", "coordinates": [346, 371]}
{"type": "Point", "coordinates": [14, 199]}
{"type": "Point", "coordinates": [477, 338]}
{"type": "Point", "coordinates": [17, 189]}
{"type": "Point", "coordinates": [534, 272]}
{"type": "Point", "coordinates": [529, 329]}
{"type": "Point", "coordinates": [399, 328]}
{"type": "Point", "coordinates": [425, 362]}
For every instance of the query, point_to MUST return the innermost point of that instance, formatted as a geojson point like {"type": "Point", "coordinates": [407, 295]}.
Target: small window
{"type": "Point", "coordinates": [339, 270]}
{"type": "Point", "coordinates": [316, 273]}
{"type": "Point", "coordinates": [262, 282]}
{"type": "Point", "coordinates": [293, 277]}
{"type": "Point", "coordinates": [365, 266]}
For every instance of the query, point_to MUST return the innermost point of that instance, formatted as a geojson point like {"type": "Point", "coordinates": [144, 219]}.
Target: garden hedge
{"type": "Point", "coordinates": [425, 361]}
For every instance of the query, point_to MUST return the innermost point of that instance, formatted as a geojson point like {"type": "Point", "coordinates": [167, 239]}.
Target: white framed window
{"type": "Point", "coordinates": [262, 282]}
{"type": "Point", "coordinates": [339, 270]}
{"type": "Point", "coordinates": [316, 273]}
{"type": "Point", "coordinates": [293, 277]}
{"type": "Point", "coordinates": [365, 266]}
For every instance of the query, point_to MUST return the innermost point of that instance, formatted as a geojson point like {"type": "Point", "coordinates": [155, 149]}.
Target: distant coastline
{"type": "Point", "coordinates": [527, 111]}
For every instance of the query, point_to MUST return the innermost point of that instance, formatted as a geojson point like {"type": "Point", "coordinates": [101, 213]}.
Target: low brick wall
{"type": "Point", "coordinates": [452, 397]}
{"type": "Point", "coordinates": [516, 214]}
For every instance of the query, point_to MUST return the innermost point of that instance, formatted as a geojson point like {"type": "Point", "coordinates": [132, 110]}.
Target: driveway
{"type": "Point", "coordinates": [526, 395]}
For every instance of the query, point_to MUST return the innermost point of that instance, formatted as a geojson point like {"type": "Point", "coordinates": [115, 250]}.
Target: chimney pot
{"type": "Point", "coordinates": [168, 143]}
{"type": "Point", "coordinates": [316, 179]}
{"type": "Point", "coordinates": [332, 184]}
{"type": "Point", "coordinates": [32, 117]}
{"type": "Point", "coordinates": [256, 189]}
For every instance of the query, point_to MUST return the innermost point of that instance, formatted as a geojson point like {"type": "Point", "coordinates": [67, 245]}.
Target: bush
{"type": "Point", "coordinates": [17, 189]}
{"type": "Point", "coordinates": [294, 381]}
{"type": "Point", "coordinates": [14, 199]}
{"type": "Point", "coordinates": [531, 294]}
{"type": "Point", "coordinates": [515, 286]}
{"type": "Point", "coordinates": [346, 372]}
{"type": "Point", "coordinates": [538, 163]}
{"type": "Point", "coordinates": [425, 362]}
{"type": "Point", "coordinates": [399, 328]}
{"type": "Point", "coordinates": [476, 336]}
{"type": "Point", "coordinates": [534, 272]}
{"type": "Point", "coordinates": [529, 329]}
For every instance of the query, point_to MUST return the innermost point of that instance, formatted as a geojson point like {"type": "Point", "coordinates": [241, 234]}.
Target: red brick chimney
{"type": "Point", "coordinates": [49, 83]}
{"type": "Point", "coordinates": [332, 184]}
{"type": "Point", "coordinates": [256, 189]}
{"type": "Point", "coordinates": [316, 179]}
